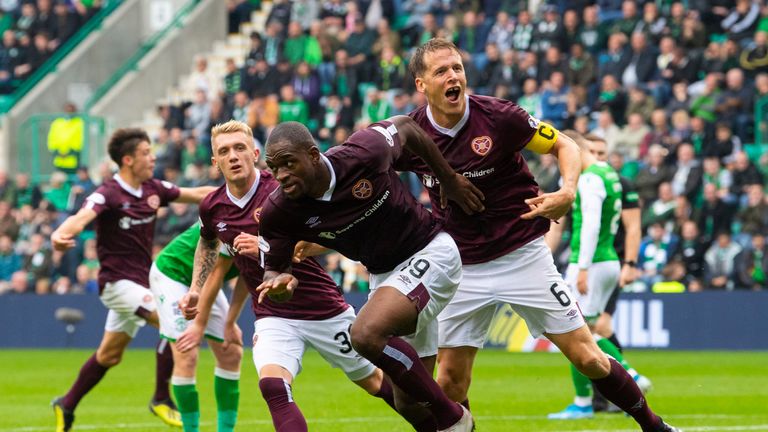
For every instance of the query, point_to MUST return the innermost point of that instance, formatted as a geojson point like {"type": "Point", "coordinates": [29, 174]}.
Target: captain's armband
{"type": "Point", "coordinates": [544, 138]}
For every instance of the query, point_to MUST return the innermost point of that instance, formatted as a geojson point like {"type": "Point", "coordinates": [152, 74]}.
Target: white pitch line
{"type": "Point", "coordinates": [348, 420]}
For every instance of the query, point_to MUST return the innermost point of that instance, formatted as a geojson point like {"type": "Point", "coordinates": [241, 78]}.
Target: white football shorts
{"type": "Point", "coordinates": [123, 298]}
{"type": "Point", "coordinates": [168, 293]}
{"type": "Point", "coordinates": [527, 280]}
{"type": "Point", "coordinates": [282, 341]}
{"type": "Point", "coordinates": [431, 276]}
{"type": "Point", "coordinates": [602, 278]}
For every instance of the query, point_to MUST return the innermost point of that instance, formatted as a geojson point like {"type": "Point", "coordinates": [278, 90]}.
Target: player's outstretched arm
{"type": "Point", "coordinates": [206, 254]}
{"type": "Point", "coordinates": [194, 195]}
{"type": "Point", "coordinates": [556, 204]}
{"type": "Point", "coordinates": [64, 236]}
{"type": "Point", "coordinates": [453, 185]}
{"type": "Point", "coordinates": [202, 301]}
{"type": "Point", "coordinates": [232, 333]}
{"type": "Point", "coordinates": [304, 250]}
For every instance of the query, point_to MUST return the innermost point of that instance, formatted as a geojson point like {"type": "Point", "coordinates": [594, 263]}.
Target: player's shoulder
{"type": "Point", "coordinates": [494, 107]}
{"type": "Point", "coordinates": [213, 198]}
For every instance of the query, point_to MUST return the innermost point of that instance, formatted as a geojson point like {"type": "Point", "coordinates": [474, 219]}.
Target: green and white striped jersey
{"type": "Point", "coordinates": [596, 216]}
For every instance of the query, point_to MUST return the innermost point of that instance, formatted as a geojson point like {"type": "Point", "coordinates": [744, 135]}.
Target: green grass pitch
{"type": "Point", "coordinates": [698, 391]}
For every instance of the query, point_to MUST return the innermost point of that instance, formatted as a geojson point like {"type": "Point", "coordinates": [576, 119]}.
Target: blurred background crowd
{"type": "Point", "coordinates": [671, 85]}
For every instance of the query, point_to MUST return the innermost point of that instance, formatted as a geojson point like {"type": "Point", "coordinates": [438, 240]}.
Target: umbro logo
{"type": "Point", "coordinates": [313, 221]}
{"type": "Point", "coordinates": [221, 226]}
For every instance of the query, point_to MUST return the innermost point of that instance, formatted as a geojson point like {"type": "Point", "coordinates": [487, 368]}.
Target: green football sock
{"type": "Point", "coordinates": [185, 392]}
{"type": "Point", "coordinates": [581, 383]}
{"type": "Point", "coordinates": [226, 385]}
{"type": "Point", "coordinates": [609, 348]}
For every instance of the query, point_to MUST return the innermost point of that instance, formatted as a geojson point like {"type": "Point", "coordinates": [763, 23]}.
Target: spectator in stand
{"type": "Point", "coordinates": [504, 81]}
{"type": "Point", "coordinates": [630, 136]}
{"type": "Point", "coordinates": [753, 217]}
{"type": "Point", "coordinates": [656, 250]}
{"type": "Point", "coordinates": [551, 62]}
{"type": "Point", "coordinates": [280, 13]}
{"type": "Point", "coordinates": [548, 31]}
{"type": "Point", "coordinates": [592, 33]}
{"type": "Point", "coordinates": [198, 114]}
{"type": "Point", "coordinates": [615, 59]}
{"type": "Point", "coordinates": [735, 103]}
{"type": "Point", "coordinates": [581, 68]}
{"type": "Point", "coordinates": [7, 189]}
{"type": "Point", "coordinates": [306, 85]}
{"type": "Point", "coordinates": [522, 36]}
{"type": "Point", "coordinates": [332, 13]}
{"type": "Point", "coordinates": [752, 265]}
{"type": "Point", "coordinates": [704, 104]}
{"type": "Point", "coordinates": [240, 107]}
{"type": "Point", "coordinates": [530, 100]}
{"type": "Point", "coordinates": [27, 193]}
{"type": "Point", "coordinates": [501, 31]}
{"type": "Point", "coordinates": [10, 262]}
{"type": "Point", "coordinates": [359, 46]}
{"type": "Point", "coordinates": [613, 98]}
{"type": "Point", "coordinates": [745, 174]}
{"type": "Point", "coordinates": [65, 24]}
{"type": "Point", "coordinates": [654, 173]}
{"type": "Point", "coordinates": [691, 252]}
{"type": "Point", "coordinates": [662, 210]}
{"type": "Point", "coordinates": [680, 99]}
{"type": "Point", "coordinates": [553, 100]}
{"type": "Point", "coordinates": [686, 181]}
{"type": "Point", "coordinates": [606, 128]}
{"type": "Point", "coordinates": [259, 79]}
{"type": "Point", "coordinates": [754, 59]}
{"type": "Point", "coordinates": [391, 73]}
{"type": "Point", "coordinates": [58, 193]}
{"type": "Point", "coordinates": [8, 224]}
{"type": "Point", "coordinates": [652, 25]}
{"type": "Point", "coordinates": [713, 215]}
{"type": "Point", "coordinates": [741, 22]}
{"type": "Point", "coordinates": [38, 264]}
{"type": "Point", "coordinates": [719, 268]}
{"type": "Point", "coordinates": [641, 67]}
{"type": "Point", "coordinates": [472, 37]}
{"type": "Point", "coordinates": [291, 107]}
{"type": "Point", "coordinates": [721, 178]}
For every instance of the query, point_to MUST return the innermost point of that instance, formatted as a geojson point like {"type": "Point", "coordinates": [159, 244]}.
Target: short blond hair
{"type": "Point", "coordinates": [232, 126]}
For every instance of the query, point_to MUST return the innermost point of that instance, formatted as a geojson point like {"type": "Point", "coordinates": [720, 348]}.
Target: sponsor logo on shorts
{"type": "Point", "coordinates": [482, 145]}
{"type": "Point", "coordinates": [363, 189]}
{"type": "Point", "coordinates": [572, 314]}
{"type": "Point", "coordinates": [405, 279]}
{"type": "Point", "coordinates": [153, 201]}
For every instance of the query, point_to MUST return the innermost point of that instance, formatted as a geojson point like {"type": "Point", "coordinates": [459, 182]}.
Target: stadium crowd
{"type": "Point", "coordinates": [32, 30]}
{"type": "Point", "coordinates": [670, 85]}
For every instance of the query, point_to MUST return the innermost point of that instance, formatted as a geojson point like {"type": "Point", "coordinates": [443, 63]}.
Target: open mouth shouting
{"type": "Point", "coordinates": [453, 93]}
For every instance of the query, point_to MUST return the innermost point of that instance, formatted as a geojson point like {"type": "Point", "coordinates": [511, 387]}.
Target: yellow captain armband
{"type": "Point", "coordinates": [544, 138]}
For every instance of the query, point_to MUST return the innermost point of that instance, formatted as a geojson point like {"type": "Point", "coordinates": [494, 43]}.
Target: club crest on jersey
{"type": "Point", "coordinates": [257, 215]}
{"type": "Point", "coordinates": [482, 145]}
{"type": "Point", "coordinates": [363, 189]}
{"type": "Point", "coordinates": [153, 201]}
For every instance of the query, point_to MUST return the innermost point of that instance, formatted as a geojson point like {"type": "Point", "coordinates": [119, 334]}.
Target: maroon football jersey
{"type": "Point", "coordinates": [367, 214]}
{"type": "Point", "coordinates": [485, 147]}
{"type": "Point", "coordinates": [224, 216]}
{"type": "Point", "coordinates": [125, 227]}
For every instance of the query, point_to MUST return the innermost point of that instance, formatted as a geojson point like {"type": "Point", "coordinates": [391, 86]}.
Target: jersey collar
{"type": "Point", "coordinates": [457, 127]}
{"type": "Point", "coordinates": [242, 202]}
{"type": "Point", "coordinates": [126, 187]}
{"type": "Point", "coordinates": [332, 186]}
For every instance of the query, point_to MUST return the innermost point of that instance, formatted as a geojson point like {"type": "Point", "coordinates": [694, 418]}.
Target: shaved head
{"type": "Point", "coordinates": [291, 132]}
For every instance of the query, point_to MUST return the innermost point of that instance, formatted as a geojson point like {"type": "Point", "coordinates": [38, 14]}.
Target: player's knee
{"type": "Point", "coordinates": [366, 340]}
{"type": "Point", "coordinates": [275, 391]}
{"type": "Point", "coordinates": [109, 358]}
{"type": "Point", "coordinates": [592, 363]}
{"type": "Point", "coordinates": [231, 358]}
{"type": "Point", "coordinates": [454, 383]}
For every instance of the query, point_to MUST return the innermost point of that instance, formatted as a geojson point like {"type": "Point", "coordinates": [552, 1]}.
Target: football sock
{"type": "Point", "coordinates": [429, 424]}
{"type": "Point", "coordinates": [188, 402]}
{"type": "Point", "coordinates": [402, 364]}
{"type": "Point", "coordinates": [619, 388]}
{"type": "Point", "coordinates": [465, 402]}
{"type": "Point", "coordinates": [581, 384]}
{"type": "Point", "coordinates": [226, 385]}
{"type": "Point", "coordinates": [286, 415]}
{"type": "Point", "coordinates": [386, 393]}
{"type": "Point", "coordinates": [163, 370]}
{"type": "Point", "coordinates": [90, 375]}
{"type": "Point", "coordinates": [609, 348]}
{"type": "Point", "coordinates": [614, 340]}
